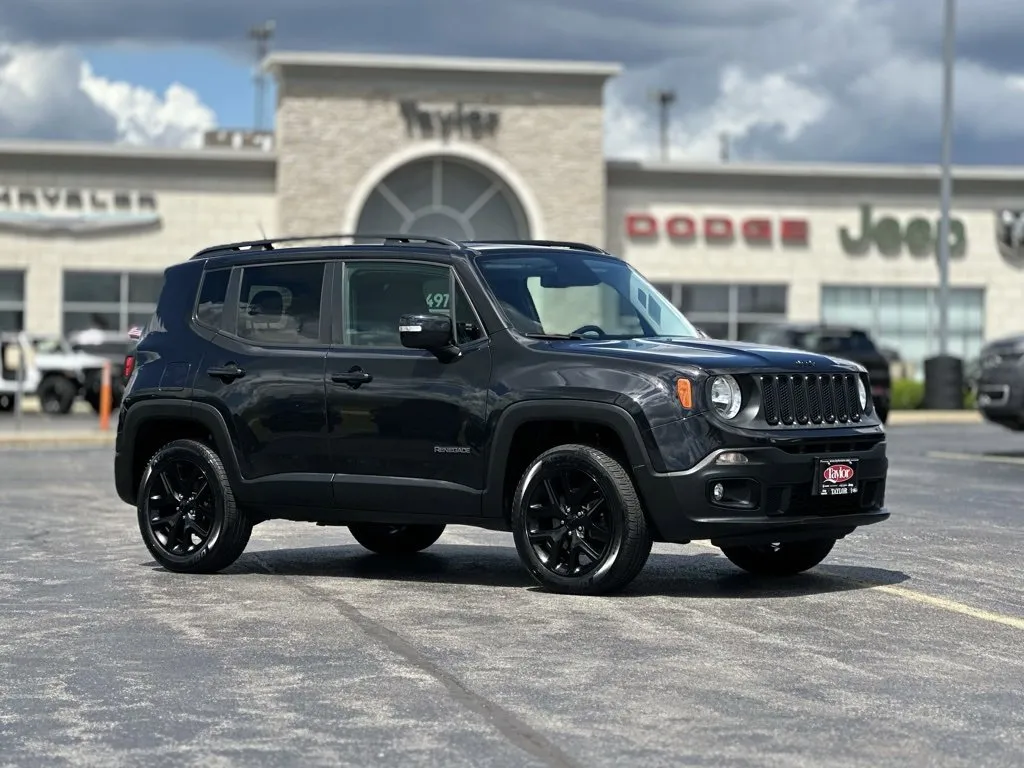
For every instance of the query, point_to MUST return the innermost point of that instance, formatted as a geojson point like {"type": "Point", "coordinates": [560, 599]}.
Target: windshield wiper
{"type": "Point", "coordinates": [553, 335]}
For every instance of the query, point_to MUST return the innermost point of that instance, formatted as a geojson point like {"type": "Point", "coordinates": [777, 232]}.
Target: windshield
{"type": "Point", "coordinates": [569, 293]}
{"type": "Point", "coordinates": [49, 346]}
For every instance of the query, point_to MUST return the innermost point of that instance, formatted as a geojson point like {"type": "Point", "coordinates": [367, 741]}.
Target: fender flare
{"type": "Point", "coordinates": [515, 415]}
{"type": "Point", "coordinates": [139, 414]}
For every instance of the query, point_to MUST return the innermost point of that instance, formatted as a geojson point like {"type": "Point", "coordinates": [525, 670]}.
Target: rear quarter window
{"type": "Point", "coordinates": [213, 292]}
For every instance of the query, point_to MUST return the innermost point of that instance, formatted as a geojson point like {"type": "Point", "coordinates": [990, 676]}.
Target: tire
{"type": "Point", "coordinates": [57, 394]}
{"type": "Point", "coordinates": [92, 396]}
{"type": "Point", "coordinates": [786, 558]}
{"type": "Point", "coordinates": [227, 529]}
{"type": "Point", "coordinates": [615, 529]}
{"type": "Point", "coordinates": [7, 402]}
{"type": "Point", "coordinates": [385, 539]}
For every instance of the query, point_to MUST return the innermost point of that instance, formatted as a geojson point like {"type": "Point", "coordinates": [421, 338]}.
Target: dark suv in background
{"type": "Point", "coordinates": [541, 388]}
{"type": "Point", "coordinates": [999, 385]}
{"type": "Point", "coordinates": [846, 342]}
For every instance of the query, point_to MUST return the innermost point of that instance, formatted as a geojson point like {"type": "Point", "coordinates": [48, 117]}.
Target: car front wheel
{"type": "Point", "coordinates": [578, 523]}
{"type": "Point", "coordinates": [785, 558]}
{"type": "Point", "coordinates": [187, 512]}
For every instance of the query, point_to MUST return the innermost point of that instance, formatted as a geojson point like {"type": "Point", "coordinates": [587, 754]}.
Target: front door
{"type": "Point", "coordinates": [406, 430]}
{"type": "Point", "coordinates": [264, 371]}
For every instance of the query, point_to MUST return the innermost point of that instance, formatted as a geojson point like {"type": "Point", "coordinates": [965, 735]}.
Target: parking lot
{"type": "Point", "coordinates": [904, 648]}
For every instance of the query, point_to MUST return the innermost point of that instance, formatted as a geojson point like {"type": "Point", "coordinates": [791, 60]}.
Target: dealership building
{"type": "Point", "coordinates": [483, 148]}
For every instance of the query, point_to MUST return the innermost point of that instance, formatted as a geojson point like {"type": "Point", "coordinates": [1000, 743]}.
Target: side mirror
{"type": "Point", "coordinates": [702, 334]}
{"type": "Point", "coordinates": [432, 333]}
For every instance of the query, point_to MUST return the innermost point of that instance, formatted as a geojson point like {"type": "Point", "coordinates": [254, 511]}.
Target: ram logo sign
{"type": "Point", "coordinates": [1010, 234]}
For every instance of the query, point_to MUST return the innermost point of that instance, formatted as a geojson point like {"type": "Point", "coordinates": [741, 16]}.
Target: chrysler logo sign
{"type": "Point", "coordinates": [64, 210]}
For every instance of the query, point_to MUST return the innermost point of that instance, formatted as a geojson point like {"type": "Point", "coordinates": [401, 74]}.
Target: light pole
{"type": "Point", "coordinates": [665, 99]}
{"type": "Point", "coordinates": [261, 34]}
{"type": "Point", "coordinates": [946, 183]}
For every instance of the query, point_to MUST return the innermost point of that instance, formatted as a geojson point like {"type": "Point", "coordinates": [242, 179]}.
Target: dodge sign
{"type": "Point", "coordinates": [681, 227]}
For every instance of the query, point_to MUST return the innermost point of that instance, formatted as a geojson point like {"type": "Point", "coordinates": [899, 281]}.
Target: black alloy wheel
{"type": "Point", "coordinates": [782, 558]}
{"type": "Point", "coordinates": [389, 539]}
{"type": "Point", "coordinates": [187, 513]}
{"type": "Point", "coordinates": [578, 523]}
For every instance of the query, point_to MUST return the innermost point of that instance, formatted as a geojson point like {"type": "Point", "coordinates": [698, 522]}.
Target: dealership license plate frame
{"type": "Point", "coordinates": [835, 490]}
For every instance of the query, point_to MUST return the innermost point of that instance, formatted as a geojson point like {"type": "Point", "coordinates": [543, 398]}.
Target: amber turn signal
{"type": "Point", "coordinates": [685, 393]}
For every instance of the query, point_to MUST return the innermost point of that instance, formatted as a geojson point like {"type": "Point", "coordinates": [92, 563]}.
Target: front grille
{"type": "Point", "coordinates": [798, 398]}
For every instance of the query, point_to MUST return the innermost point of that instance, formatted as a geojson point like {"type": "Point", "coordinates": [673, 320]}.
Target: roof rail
{"type": "Point", "coordinates": [268, 243]}
{"type": "Point", "coordinates": [556, 243]}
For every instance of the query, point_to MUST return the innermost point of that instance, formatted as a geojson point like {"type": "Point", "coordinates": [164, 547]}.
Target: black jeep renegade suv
{"type": "Point", "coordinates": [545, 388]}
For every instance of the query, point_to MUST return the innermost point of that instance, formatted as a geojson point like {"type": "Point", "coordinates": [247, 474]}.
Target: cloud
{"type": "Point", "coordinates": [53, 94]}
{"type": "Point", "coordinates": [786, 79]}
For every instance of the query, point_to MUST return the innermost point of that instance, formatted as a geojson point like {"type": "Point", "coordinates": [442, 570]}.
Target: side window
{"type": "Point", "coordinates": [213, 292]}
{"type": "Point", "coordinates": [379, 294]}
{"type": "Point", "coordinates": [280, 303]}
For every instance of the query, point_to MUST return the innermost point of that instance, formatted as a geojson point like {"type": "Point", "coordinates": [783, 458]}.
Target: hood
{"type": "Point", "coordinates": [711, 354]}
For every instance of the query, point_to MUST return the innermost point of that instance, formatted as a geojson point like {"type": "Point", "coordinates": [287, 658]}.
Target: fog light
{"type": "Point", "coordinates": [731, 457]}
{"type": "Point", "coordinates": [718, 492]}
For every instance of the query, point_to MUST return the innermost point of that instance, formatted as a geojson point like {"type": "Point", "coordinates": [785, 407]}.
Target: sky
{"type": "Point", "coordinates": [787, 80]}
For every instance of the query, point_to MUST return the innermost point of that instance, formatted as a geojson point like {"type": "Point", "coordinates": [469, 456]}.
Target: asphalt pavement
{"type": "Point", "coordinates": [903, 648]}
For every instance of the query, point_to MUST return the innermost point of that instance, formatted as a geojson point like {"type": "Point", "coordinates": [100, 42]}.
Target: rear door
{"type": "Point", "coordinates": [263, 370]}
{"type": "Point", "coordinates": [409, 437]}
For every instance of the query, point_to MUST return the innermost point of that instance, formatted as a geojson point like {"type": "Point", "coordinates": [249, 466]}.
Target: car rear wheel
{"type": "Point", "coordinates": [56, 395]}
{"type": "Point", "coordinates": [7, 402]}
{"type": "Point", "coordinates": [187, 512]}
{"type": "Point", "coordinates": [578, 523]}
{"type": "Point", "coordinates": [385, 539]}
{"type": "Point", "coordinates": [785, 558]}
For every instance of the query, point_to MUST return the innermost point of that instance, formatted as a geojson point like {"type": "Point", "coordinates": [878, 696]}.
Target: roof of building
{"type": "Point", "coordinates": [372, 61]}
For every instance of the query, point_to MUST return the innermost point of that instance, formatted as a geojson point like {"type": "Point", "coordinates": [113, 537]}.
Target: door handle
{"type": "Point", "coordinates": [227, 372]}
{"type": "Point", "coordinates": [354, 377]}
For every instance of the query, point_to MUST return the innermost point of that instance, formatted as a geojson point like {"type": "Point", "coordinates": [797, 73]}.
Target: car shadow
{"type": "Point", "coordinates": [685, 574]}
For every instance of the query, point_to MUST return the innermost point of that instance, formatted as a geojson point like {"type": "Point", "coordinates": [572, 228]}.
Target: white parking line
{"type": "Point", "coordinates": [952, 606]}
{"type": "Point", "coordinates": [975, 457]}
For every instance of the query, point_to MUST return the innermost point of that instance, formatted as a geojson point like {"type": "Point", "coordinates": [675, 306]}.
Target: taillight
{"type": "Point", "coordinates": [129, 366]}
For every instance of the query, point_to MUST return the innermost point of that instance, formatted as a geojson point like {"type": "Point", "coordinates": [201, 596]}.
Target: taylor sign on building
{"type": "Point", "coordinates": [68, 210]}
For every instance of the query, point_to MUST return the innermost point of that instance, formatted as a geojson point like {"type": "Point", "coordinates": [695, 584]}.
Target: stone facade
{"type": "Point", "coordinates": [340, 126]}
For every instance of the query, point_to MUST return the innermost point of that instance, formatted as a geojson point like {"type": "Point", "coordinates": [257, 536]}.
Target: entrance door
{"type": "Point", "coordinates": [264, 371]}
{"type": "Point", "coordinates": [406, 430]}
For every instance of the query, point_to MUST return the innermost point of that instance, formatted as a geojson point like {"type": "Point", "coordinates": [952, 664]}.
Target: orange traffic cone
{"type": "Point", "coordinates": [106, 398]}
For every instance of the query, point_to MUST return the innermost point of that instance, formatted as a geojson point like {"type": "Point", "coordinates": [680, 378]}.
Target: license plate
{"type": "Point", "coordinates": [835, 477]}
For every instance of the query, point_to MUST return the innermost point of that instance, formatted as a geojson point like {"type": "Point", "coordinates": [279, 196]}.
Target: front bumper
{"type": "Point", "coordinates": [1000, 395]}
{"type": "Point", "coordinates": [776, 485]}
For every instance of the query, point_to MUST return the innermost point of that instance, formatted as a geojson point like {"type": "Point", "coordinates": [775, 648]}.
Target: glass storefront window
{"type": "Point", "coordinates": [108, 301]}
{"type": "Point", "coordinates": [729, 311]}
{"type": "Point", "coordinates": [12, 300]}
{"type": "Point", "coordinates": [906, 319]}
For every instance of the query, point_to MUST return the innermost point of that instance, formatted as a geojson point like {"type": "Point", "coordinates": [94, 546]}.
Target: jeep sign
{"type": "Point", "coordinates": [755, 230]}
{"type": "Point", "coordinates": [889, 237]}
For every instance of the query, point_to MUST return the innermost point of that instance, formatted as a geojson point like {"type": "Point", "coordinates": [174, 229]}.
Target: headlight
{"type": "Point", "coordinates": [862, 394]}
{"type": "Point", "coordinates": [726, 396]}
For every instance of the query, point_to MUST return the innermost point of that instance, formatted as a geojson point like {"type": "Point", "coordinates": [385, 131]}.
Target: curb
{"type": "Point", "coordinates": [898, 418]}
{"type": "Point", "coordinates": [30, 404]}
{"type": "Point", "coordinates": [56, 439]}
